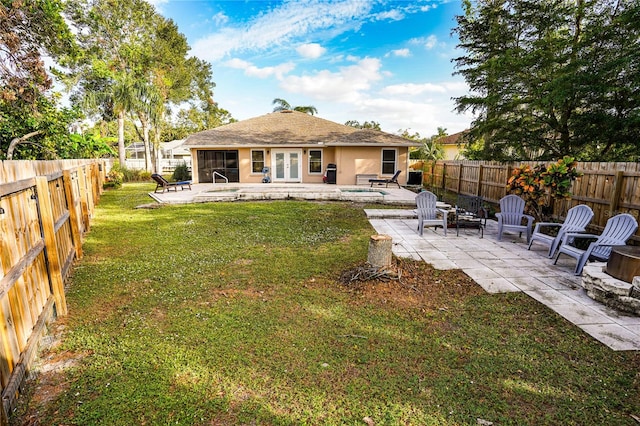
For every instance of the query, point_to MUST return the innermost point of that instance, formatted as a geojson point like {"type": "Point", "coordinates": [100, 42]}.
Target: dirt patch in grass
{"type": "Point", "coordinates": [47, 378]}
{"type": "Point", "coordinates": [408, 284]}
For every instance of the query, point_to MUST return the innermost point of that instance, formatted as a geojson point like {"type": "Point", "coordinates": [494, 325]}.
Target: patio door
{"type": "Point", "coordinates": [286, 165]}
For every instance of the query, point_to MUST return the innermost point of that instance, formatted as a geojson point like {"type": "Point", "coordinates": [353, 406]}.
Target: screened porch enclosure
{"type": "Point", "coordinates": [213, 163]}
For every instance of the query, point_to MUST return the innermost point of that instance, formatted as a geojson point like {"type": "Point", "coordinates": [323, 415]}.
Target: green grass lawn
{"type": "Point", "coordinates": [233, 314]}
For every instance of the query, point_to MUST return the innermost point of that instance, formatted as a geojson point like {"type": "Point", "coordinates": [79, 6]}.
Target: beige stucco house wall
{"type": "Point", "coordinates": [297, 148]}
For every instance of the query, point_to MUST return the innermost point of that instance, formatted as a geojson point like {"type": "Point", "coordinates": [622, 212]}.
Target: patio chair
{"type": "Point", "coordinates": [577, 219]}
{"type": "Point", "coordinates": [512, 215]}
{"type": "Point", "coordinates": [394, 179]}
{"type": "Point", "coordinates": [428, 212]}
{"type": "Point", "coordinates": [168, 186]}
{"type": "Point", "coordinates": [617, 231]}
{"type": "Point", "coordinates": [470, 213]}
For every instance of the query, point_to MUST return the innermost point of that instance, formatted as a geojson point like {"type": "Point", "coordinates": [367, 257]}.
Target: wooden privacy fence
{"type": "Point", "coordinates": [45, 209]}
{"type": "Point", "coordinates": [608, 188]}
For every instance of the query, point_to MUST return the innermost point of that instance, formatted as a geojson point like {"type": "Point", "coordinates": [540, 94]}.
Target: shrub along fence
{"type": "Point", "coordinates": [45, 210]}
{"type": "Point", "coordinates": [608, 188]}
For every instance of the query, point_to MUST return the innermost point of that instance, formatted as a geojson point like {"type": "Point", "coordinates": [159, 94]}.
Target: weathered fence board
{"type": "Point", "coordinates": [608, 188]}
{"type": "Point", "coordinates": [45, 208]}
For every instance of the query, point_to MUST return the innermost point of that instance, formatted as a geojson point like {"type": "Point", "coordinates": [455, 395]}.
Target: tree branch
{"type": "Point", "coordinates": [17, 141]}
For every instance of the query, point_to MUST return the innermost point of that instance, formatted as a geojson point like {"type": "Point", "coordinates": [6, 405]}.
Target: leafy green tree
{"type": "Point", "coordinates": [135, 66]}
{"type": "Point", "coordinates": [195, 119]}
{"type": "Point", "coordinates": [107, 76]}
{"type": "Point", "coordinates": [282, 105]}
{"type": "Point", "coordinates": [431, 149]}
{"type": "Point", "coordinates": [551, 78]}
{"type": "Point", "coordinates": [366, 125]}
{"type": "Point", "coordinates": [32, 125]}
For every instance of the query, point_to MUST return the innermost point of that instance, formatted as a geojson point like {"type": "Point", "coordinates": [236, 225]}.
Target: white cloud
{"type": "Point", "coordinates": [423, 117]}
{"type": "Point", "coordinates": [392, 15]}
{"type": "Point", "coordinates": [431, 42]}
{"type": "Point", "coordinates": [280, 26]}
{"type": "Point", "coordinates": [253, 71]}
{"type": "Point", "coordinates": [311, 50]}
{"type": "Point", "coordinates": [346, 85]}
{"type": "Point", "coordinates": [220, 18]}
{"type": "Point", "coordinates": [403, 53]}
{"type": "Point", "coordinates": [413, 89]}
{"type": "Point", "coordinates": [427, 42]}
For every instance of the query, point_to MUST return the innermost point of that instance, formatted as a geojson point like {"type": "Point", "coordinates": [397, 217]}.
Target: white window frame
{"type": "Point", "coordinates": [264, 161]}
{"type": "Point", "coordinates": [382, 161]}
{"type": "Point", "coordinates": [309, 161]}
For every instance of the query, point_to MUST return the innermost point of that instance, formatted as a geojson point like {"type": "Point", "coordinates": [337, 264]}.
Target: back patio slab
{"type": "Point", "coordinates": [507, 266]}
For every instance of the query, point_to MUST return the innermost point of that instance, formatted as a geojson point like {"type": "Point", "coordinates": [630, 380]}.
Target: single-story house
{"type": "Point", "coordinates": [453, 146]}
{"type": "Point", "coordinates": [296, 147]}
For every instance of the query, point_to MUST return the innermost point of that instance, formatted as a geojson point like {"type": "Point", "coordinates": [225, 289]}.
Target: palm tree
{"type": "Point", "coordinates": [282, 105]}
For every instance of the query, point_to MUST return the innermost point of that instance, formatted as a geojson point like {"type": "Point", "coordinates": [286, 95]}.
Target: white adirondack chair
{"type": "Point", "coordinates": [617, 231]}
{"type": "Point", "coordinates": [511, 216]}
{"type": "Point", "coordinates": [577, 219]}
{"type": "Point", "coordinates": [428, 212]}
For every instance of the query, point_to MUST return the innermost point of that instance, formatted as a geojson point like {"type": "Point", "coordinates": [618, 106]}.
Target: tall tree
{"type": "Point", "coordinates": [282, 105]}
{"type": "Point", "coordinates": [31, 121]}
{"type": "Point", "coordinates": [366, 125]}
{"type": "Point", "coordinates": [112, 35]}
{"type": "Point", "coordinates": [126, 41]}
{"type": "Point", "coordinates": [551, 78]}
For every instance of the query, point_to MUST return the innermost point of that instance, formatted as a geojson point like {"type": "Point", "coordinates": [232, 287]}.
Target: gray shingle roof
{"type": "Point", "coordinates": [291, 128]}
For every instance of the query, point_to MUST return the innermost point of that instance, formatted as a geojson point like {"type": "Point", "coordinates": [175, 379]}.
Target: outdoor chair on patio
{"type": "Point", "coordinates": [470, 213]}
{"type": "Point", "coordinates": [393, 179]}
{"type": "Point", "coordinates": [617, 231]}
{"type": "Point", "coordinates": [512, 215]}
{"type": "Point", "coordinates": [577, 219]}
{"type": "Point", "coordinates": [428, 212]}
{"type": "Point", "coordinates": [165, 185]}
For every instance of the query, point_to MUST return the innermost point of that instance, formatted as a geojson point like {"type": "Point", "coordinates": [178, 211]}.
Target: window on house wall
{"type": "Point", "coordinates": [315, 161]}
{"type": "Point", "coordinates": [389, 161]}
{"type": "Point", "coordinates": [257, 160]}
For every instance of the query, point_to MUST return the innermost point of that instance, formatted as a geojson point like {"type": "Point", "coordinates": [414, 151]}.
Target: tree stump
{"type": "Point", "coordinates": [380, 254]}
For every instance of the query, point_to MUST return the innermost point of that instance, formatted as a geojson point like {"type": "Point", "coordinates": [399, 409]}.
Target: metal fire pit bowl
{"type": "Point", "coordinates": [624, 263]}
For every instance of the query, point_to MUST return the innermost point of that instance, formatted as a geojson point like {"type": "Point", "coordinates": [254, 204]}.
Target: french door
{"type": "Point", "coordinates": [286, 165]}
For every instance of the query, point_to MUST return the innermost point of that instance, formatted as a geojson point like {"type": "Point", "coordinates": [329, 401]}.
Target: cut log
{"type": "Point", "coordinates": [380, 253]}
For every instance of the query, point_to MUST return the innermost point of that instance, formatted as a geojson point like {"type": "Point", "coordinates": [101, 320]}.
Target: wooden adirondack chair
{"type": "Point", "coordinates": [617, 231]}
{"type": "Point", "coordinates": [511, 216]}
{"type": "Point", "coordinates": [577, 219]}
{"type": "Point", "coordinates": [428, 212]}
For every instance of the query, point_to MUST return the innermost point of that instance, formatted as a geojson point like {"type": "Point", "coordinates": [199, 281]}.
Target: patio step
{"type": "Point", "coordinates": [391, 213]}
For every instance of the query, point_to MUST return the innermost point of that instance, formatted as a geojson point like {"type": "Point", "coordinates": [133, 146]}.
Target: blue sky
{"type": "Point", "coordinates": [383, 61]}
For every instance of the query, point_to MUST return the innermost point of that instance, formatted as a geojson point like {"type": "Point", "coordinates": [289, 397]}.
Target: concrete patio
{"type": "Point", "coordinates": [497, 266]}
{"type": "Point", "coordinates": [507, 266]}
{"type": "Point", "coordinates": [210, 192]}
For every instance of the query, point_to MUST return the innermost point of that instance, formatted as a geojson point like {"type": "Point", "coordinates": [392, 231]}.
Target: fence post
{"type": "Point", "coordinates": [459, 178]}
{"type": "Point", "coordinates": [72, 205]}
{"type": "Point", "coordinates": [444, 175]}
{"type": "Point", "coordinates": [615, 195]}
{"type": "Point", "coordinates": [84, 198]}
{"type": "Point", "coordinates": [53, 259]}
{"type": "Point", "coordinates": [480, 177]}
